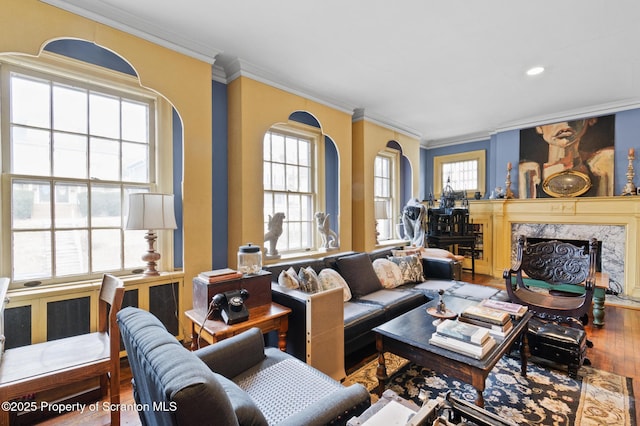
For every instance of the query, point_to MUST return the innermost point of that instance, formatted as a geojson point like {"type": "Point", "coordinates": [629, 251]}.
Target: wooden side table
{"type": "Point", "coordinates": [269, 317]}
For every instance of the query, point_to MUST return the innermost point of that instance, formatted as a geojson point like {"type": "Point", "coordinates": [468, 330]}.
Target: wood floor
{"type": "Point", "coordinates": [615, 349]}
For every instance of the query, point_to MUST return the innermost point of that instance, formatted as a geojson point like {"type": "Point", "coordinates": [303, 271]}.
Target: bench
{"type": "Point", "coordinates": [43, 366]}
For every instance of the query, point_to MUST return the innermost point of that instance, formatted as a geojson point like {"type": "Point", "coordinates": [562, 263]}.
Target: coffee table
{"type": "Point", "coordinates": [408, 336]}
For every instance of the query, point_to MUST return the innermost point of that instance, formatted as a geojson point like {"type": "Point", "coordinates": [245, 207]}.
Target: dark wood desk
{"type": "Point", "coordinates": [269, 317]}
{"type": "Point", "coordinates": [447, 241]}
{"type": "Point", "coordinates": [408, 336]}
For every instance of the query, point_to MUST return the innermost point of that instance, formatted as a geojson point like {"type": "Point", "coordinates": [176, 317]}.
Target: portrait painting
{"type": "Point", "coordinates": [585, 146]}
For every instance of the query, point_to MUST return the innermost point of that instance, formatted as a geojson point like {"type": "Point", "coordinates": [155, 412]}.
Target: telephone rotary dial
{"type": "Point", "coordinates": [231, 305]}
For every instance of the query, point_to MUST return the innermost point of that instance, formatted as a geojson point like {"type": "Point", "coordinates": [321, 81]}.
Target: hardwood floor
{"type": "Point", "coordinates": [614, 350]}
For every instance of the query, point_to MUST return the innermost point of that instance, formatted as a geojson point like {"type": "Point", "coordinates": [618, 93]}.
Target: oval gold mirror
{"type": "Point", "coordinates": [568, 183]}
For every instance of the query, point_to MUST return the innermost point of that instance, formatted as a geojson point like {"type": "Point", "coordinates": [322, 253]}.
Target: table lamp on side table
{"type": "Point", "coordinates": [151, 211]}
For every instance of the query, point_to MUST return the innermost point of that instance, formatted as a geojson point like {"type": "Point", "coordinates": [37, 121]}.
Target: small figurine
{"type": "Point", "coordinates": [441, 308]}
{"type": "Point", "coordinates": [440, 311]}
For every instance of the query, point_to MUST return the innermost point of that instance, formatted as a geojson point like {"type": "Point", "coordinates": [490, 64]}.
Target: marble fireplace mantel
{"type": "Point", "coordinates": [613, 220]}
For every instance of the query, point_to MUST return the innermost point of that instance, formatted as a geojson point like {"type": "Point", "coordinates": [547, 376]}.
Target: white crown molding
{"type": "Point", "coordinates": [235, 67]}
{"type": "Point", "coordinates": [360, 114]}
{"type": "Point", "coordinates": [457, 140]}
{"type": "Point", "coordinates": [218, 74]}
{"type": "Point", "coordinates": [116, 18]}
{"type": "Point", "coordinates": [590, 111]}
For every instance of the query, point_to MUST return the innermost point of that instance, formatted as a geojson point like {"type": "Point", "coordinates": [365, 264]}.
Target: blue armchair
{"type": "Point", "coordinates": [234, 382]}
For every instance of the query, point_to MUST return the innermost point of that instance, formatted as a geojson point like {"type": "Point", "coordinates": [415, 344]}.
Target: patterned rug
{"type": "Point", "coordinates": [545, 397]}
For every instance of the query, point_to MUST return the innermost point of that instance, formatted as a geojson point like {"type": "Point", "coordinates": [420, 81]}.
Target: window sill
{"type": "Point", "coordinates": [311, 254]}
{"type": "Point", "coordinates": [83, 286]}
{"type": "Point", "coordinates": [392, 243]}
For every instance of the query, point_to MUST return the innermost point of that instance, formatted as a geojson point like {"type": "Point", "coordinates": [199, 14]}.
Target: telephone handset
{"type": "Point", "coordinates": [231, 305]}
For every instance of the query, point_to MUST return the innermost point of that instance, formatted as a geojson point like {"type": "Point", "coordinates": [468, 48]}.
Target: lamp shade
{"type": "Point", "coordinates": [381, 209]}
{"type": "Point", "coordinates": [148, 210]}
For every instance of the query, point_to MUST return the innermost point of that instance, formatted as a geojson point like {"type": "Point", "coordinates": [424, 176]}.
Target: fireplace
{"type": "Point", "coordinates": [611, 243]}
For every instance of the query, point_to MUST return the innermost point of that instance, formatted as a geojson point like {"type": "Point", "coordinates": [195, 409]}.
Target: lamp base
{"type": "Point", "coordinates": [151, 256]}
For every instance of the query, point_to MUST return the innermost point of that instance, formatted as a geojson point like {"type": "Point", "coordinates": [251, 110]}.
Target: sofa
{"type": "Point", "coordinates": [354, 319]}
{"type": "Point", "coordinates": [235, 382]}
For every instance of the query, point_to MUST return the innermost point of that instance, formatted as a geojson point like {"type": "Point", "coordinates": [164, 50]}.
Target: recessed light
{"type": "Point", "coordinates": [535, 71]}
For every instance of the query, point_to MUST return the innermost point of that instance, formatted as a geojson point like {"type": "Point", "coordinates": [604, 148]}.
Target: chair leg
{"type": "Point", "coordinates": [114, 394]}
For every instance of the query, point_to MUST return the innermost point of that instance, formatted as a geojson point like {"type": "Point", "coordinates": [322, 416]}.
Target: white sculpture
{"type": "Point", "coordinates": [329, 237]}
{"type": "Point", "coordinates": [273, 233]}
{"type": "Point", "coordinates": [414, 217]}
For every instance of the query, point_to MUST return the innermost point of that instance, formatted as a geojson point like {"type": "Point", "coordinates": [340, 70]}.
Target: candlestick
{"type": "Point", "coordinates": [508, 193]}
{"type": "Point", "coordinates": [630, 188]}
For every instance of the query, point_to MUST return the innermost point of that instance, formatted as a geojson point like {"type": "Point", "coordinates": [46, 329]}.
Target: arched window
{"type": "Point", "coordinates": [77, 139]}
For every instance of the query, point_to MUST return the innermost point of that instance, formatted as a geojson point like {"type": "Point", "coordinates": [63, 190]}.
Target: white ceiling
{"type": "Point", "coordinates": [446, 71]}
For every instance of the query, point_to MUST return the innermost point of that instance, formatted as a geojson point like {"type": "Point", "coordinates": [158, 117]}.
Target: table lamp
{"type": "Point", "coordinates": [151, 211]}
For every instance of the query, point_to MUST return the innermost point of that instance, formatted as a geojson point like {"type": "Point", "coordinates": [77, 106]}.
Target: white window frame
{"type": "Point", "coordinates": [439, 181]}
{"type": "Point", "coordinates": [317, 190]}
{"type": "Point", "coordinates": [386, 226]}
{"type": "Point", "coordinates": [64, 70]}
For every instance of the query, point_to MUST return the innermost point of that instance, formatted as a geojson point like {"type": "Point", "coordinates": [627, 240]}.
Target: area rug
{"type": "Point", "coordinates": [545, 397]}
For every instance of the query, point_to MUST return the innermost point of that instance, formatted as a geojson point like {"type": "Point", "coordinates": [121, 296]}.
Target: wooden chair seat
{"type": "Point", "coordinates": [45, 361]}
{"type": "Point", "coordinates": [43, 366]}
{"type": "Point", "coordinates": [558, 305]}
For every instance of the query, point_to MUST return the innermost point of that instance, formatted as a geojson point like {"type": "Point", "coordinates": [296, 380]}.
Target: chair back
{"type": "Point", "coordinates": [110, 302]}
{"type": "Point", "coordinates": [557, 262]}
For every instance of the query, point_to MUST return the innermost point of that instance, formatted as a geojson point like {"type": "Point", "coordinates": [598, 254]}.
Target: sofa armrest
{"type": "Point", "coordinates": [441, 268]}
{"type": "Point", "coordinates": [339, 405]}
{"type": "Point", "coordinates": [234, 355]}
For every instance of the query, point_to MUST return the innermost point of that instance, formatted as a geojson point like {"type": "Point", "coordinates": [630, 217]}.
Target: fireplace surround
{"type": "Point", "coordinates": [610, 243]}
{"type": "Point", "coordinates": [615, 221]}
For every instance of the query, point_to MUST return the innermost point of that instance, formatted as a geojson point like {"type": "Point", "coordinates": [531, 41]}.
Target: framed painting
{"type": "Point", "coordinates": [584, 146]}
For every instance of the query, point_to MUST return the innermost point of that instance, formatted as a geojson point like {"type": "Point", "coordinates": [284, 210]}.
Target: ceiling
{"type": "Point", "coordinates": [444, 71]}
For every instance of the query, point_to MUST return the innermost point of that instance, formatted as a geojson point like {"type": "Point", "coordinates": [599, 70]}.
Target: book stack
{"type": "Point", "coordinates": [466, 339]}
{"type": "Point", "coordinates": [514, 309]}
{"type": "Point", "coordinates": [218, 275]}
{"type": "Point", "coordinates": [498, 322]}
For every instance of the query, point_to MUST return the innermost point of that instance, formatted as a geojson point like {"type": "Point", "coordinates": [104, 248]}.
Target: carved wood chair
{"type": "Point", "coordinates": [42, 366]}
{"type": "Point", "coordinates": [558, 264]}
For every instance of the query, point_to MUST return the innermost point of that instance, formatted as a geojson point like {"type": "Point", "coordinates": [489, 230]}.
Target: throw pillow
{"type": "Point", "coordinates": [388, 272]}
{"type": "Point", "coordinates": [357, 271]}
{"type": "Point", "coordinates": [330, 278]}
{"type": "Point", "coordinates": [410, 266]}
{"type": "Point", "coordinates": [286, 280]}
{"type": "Point", "coordinates": [308, 280]}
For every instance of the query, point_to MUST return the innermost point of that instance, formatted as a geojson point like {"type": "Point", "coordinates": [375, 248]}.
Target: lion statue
{"type": "Point", "coordinates": [273, 233]}
{"type": "Point", "coordinates": [329, 237]}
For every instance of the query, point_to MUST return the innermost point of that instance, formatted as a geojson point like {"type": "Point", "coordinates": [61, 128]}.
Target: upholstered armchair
{"type": "Point", "coordinates": [234, 382]}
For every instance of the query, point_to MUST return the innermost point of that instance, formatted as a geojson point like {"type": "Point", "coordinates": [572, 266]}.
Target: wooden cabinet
{"type": "Point", "coordinates": [258, 286]}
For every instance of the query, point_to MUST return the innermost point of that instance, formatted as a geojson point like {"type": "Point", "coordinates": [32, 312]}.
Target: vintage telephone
{"type": "Point", "coordinates": [231, 305]}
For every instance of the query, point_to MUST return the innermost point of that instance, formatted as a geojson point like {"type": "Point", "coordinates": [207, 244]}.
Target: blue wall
{"type": "Point", "coordinates": [178, 240]}
{"type": "Point", "coordinates": [91, 53]}
{"type": "Point", "coordinates": [219, 176]}
{"type": "Point", "coordinates": [332, 182]}
{"type": "Point", "coordinates": [504, 147]}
